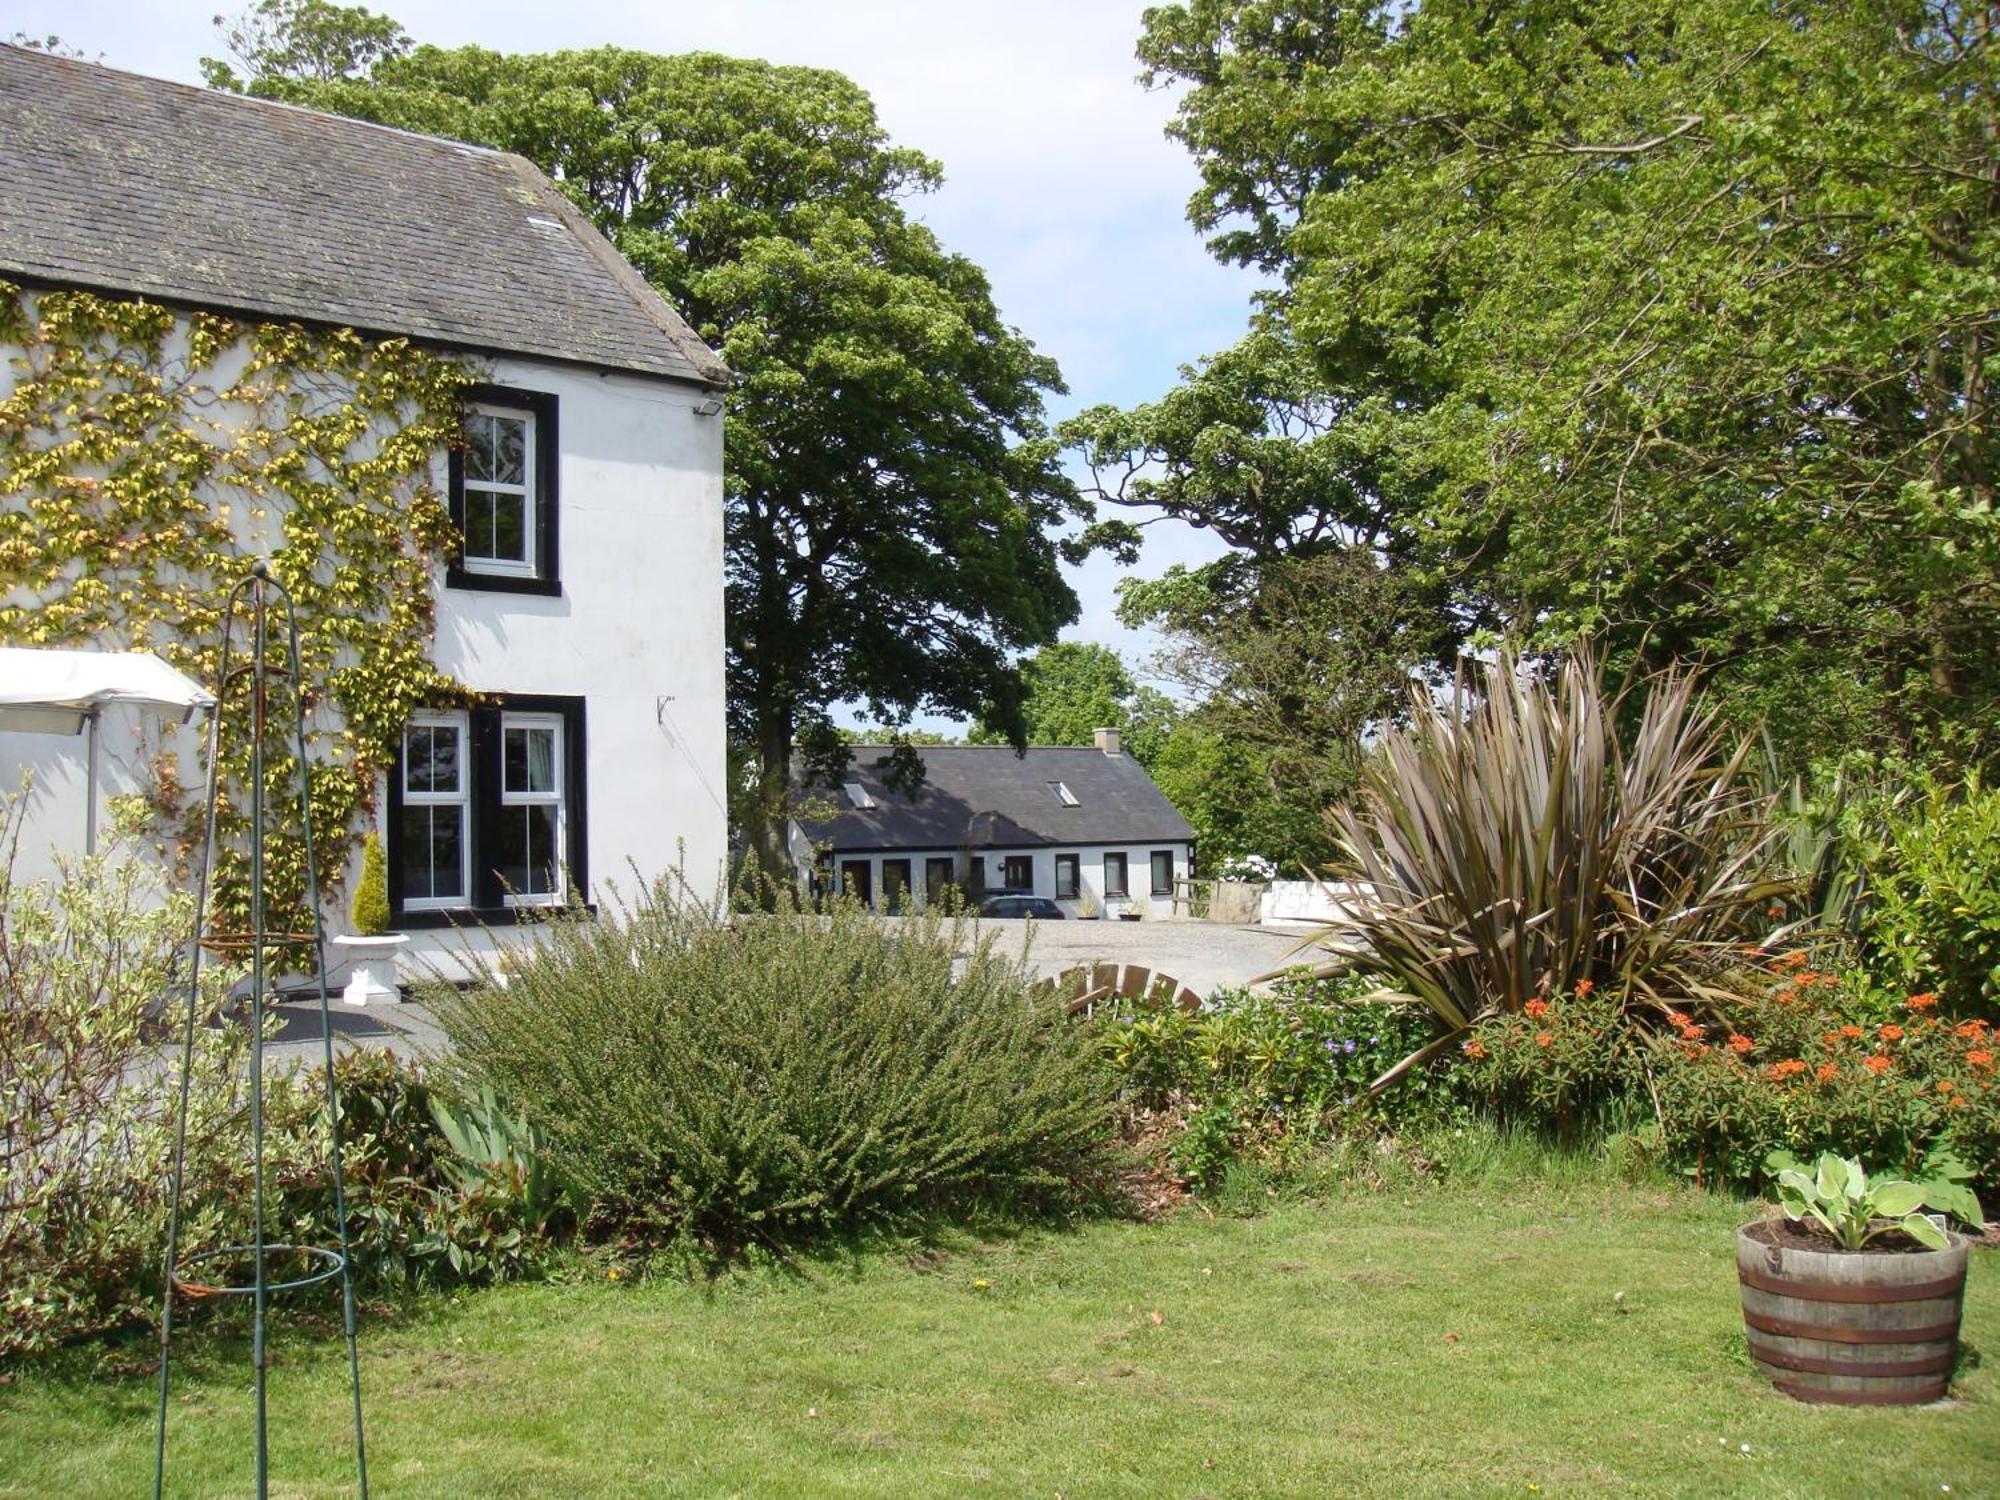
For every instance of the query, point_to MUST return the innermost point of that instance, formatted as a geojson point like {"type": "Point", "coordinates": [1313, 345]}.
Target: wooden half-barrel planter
{"type": "Point", "coordinates": [1857, 1328]}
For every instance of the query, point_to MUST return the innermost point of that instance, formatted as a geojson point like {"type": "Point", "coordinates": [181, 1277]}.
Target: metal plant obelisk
{"type": "Point", "coordinates": [246, 688]}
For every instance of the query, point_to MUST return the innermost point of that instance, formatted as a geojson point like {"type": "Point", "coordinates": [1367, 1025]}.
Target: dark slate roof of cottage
{"type": "Point", "coordinates": [987, 796]}
{"type": "Point", "coordinates": [119, 182]}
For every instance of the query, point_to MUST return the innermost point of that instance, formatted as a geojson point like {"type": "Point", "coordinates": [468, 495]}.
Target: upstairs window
{"type": "Point", "coordinates": [1064, 795]}
{"type": "Point", "coordinates": [503, 493]}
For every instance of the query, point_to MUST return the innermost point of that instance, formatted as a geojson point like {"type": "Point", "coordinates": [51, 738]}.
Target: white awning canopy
{"type": "Point", "coordinates": [52, 691]}
{"type": "Point", "coordinates": [56, 691]}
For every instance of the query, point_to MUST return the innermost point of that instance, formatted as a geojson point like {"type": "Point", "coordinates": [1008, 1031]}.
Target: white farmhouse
{"type": "Point", "coordinates": [585, 605]}
{"type": "Point", "coordinates": [1081, 825]}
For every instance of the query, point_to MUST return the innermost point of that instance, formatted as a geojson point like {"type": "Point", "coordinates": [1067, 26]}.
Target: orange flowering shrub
{"type": "Point", "coordinates": [1557, 1065]}
{"type": "Point", "coordinates": [1788, 1068]}
{"type": "Point", "coordinates": [1800, 1076]}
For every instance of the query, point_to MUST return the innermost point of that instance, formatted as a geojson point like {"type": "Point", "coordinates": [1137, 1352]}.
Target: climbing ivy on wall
{"type": "Point", "coordinates": [146, 456]}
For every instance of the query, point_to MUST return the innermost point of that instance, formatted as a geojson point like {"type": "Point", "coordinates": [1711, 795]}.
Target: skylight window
{"type": "Point", "coordinates": [858, 795]}
{"type": "Point", "coordinates": [1063, 794]}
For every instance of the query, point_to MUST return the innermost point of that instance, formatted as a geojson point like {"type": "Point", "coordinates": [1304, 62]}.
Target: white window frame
{"type": "Point", "coordinates": [555, 798]}
{"type": "Point", "coordinates": [528, 490]}
{"type": "Point", "coordinates": [461, 799]}
{"type": "Point", "coordinates": [1063, 794]}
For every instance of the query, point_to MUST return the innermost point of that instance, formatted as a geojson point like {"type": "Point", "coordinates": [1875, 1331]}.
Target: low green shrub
{"type": "Point", "coordinates": [1261, 1075]}
{"type": "Point", "coordinates": [1932, 918]}
{"type": "Point", "coordinates": [87, 1149]}
{"type": "Point", "coordinates": [752, 1077]}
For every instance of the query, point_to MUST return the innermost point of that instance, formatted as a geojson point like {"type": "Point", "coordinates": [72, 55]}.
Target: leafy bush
{"type": "Point", "coordinates": [1566, 1065]}
{"type": "Point", "coordinates": [779, 1074]}
{"type": "Point", "coordinates": [1933, 915]}
{"type": "Point", "coordinates": [84, 960]}
{"type": "Point", "coordinates": [1515, 846]}
{"type": "Point", "coordinates": [86, 1152]}
{"type": "Point", "coordinates": [1253, 1074]}
{"type": "Point", "coordinates": [432, 1201]}
{"type": "Point", "coordinates": [1854, 1208]}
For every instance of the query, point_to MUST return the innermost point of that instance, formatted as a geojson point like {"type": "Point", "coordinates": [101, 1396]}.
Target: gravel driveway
{"type": "Point", "coordinates": [1201, 955]}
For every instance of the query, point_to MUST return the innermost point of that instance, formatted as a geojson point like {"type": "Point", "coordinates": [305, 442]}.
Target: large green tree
{"type": "Point", "coordinates": [1669, 322]}
{"type": "Point", "coordinates": [1074, 688]}
{"type": "Point", "coordinates": [893, 493]}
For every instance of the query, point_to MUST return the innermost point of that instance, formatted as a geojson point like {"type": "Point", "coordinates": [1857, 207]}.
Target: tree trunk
{"type": "Point", "coordinates": [769, 815]}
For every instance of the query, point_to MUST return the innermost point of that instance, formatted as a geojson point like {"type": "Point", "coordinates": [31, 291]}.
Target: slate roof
{"type": "Point", "coordinates": [987, 796]}
{"type": "Point", "coordinates": [123, 183]}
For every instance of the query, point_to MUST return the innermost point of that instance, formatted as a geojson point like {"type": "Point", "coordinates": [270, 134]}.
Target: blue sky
{"type": "Point", "coordinates": [1058, 179]}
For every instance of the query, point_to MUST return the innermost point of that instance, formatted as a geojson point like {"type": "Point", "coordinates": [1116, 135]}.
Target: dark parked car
{"type": "Point", "coordinates": [1041, 908]}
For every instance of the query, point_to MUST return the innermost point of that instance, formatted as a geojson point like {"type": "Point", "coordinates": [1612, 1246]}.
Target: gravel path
{"type": "Point", "coordinates": [1201, 955]}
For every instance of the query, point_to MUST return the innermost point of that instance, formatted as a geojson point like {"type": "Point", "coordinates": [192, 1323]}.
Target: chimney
{"type": "Point", "coordinates": [1107, 740]}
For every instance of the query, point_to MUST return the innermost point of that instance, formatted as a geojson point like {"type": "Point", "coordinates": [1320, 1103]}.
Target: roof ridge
{"type": "Point", "coordinates": [228, 97]}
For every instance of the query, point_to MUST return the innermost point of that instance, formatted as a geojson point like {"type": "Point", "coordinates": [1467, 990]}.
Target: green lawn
{"type": "Point", "coordinates": [1451, 1344]}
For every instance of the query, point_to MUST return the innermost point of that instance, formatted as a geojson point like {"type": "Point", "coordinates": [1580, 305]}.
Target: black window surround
{"type": "Point", "coordinates": [540, 407]}
{"type": "Point", "coordinates": [1117, 878]}
{"type": "Point", "coordinates": [1069, 876]}
{"type": "Point", "coordinates": [939, 873]}
{"type": "Point", "coordinates": [1163, 858]}
{"type": "Point", "coordinates": [1018, 871]}
{"type": "Point", "coordinates": [488, 905]}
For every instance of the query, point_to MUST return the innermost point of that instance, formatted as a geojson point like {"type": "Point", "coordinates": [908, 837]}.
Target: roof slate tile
{"type": "Point", "coordinates": [989, 796]}
{"type": "Point", "coordinates": [125, 183]}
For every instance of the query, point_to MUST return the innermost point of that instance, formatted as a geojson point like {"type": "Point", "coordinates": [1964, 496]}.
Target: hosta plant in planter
{"type": "Point", "coordinates": [1853, 1294]}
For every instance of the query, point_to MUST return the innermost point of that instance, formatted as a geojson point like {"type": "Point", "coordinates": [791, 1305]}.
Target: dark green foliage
{"type": "Point", "coordinates": [1667, 324]}
{"type": "Point", "coordinates": [1071, 689]}
{"type": "Point", "coordinates": [768, 1076]}
{"type": "Point", "coordinates": [1289, 666]}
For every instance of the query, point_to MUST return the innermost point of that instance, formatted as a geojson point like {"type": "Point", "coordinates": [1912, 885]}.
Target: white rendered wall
{"type": "Point", "coordinates": [638, 629]}
{"type": "Point", "coordinates": [637, 632]}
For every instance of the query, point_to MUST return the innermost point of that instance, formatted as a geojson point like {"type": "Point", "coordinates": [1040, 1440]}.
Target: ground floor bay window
{"type": "Point", "coordinates": [486, 811]}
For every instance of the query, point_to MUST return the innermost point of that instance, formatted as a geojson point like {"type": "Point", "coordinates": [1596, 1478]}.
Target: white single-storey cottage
{"type": "Point", "coordinates": [583, 603]}
{"type": "Point", "coordinates": [1082, 825]}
